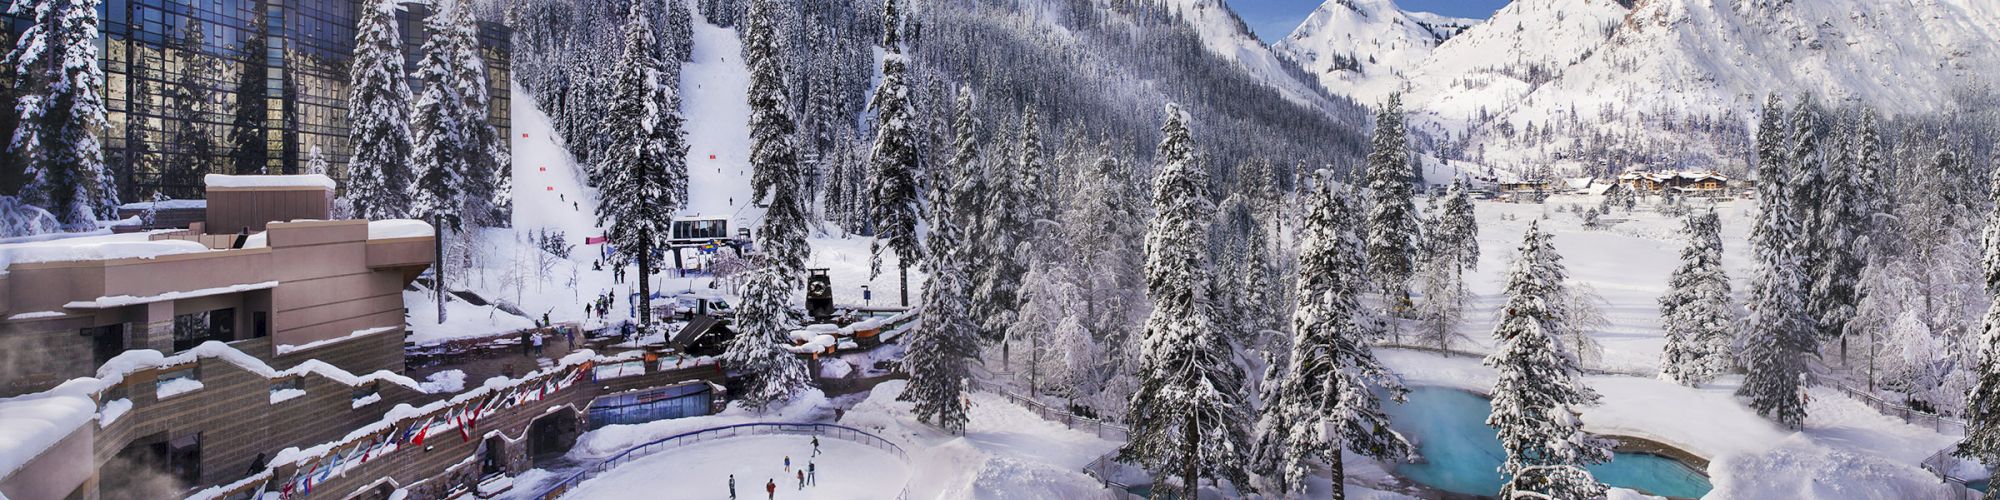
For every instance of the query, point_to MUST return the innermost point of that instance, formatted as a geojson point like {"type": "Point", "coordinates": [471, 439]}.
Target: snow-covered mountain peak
{"type": "Point", "coordinates": [1362, 48]}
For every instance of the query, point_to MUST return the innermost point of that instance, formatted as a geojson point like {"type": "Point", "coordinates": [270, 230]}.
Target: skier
{"type": "Point", "coordinates": [770, 489]}
{"type": "Point", "coordinates": [802, 479]}
{"type": "Point", "coordinates": [815, 446]}
{"type": "Point", "coordinates": [732, 487]}
{"type": "Point", "coordinates": [812, 473]}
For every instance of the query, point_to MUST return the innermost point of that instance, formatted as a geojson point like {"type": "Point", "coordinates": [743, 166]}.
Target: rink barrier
{"type": "Point", "coordinates": [841, 432]}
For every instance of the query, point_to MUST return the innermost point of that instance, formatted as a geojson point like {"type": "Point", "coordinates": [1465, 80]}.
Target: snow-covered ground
{"type": "Point", "coordinates": [1847, 450]}
{"type": "Point", "coordinates": [550, 195]}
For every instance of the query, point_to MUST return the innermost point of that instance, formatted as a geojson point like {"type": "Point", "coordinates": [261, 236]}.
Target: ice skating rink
{"type": "Point", "coordinates": [847, 470]}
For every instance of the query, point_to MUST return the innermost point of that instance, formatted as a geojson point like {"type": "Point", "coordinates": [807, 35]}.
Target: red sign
{"type": "Point", "coordinates": [524, 135]}
{"type": "Point", "coordinates": [711, 157]}
{"type": "Point", "coordinates": [595, 240]}
{"type": "Point", "coordinates": [552, 188]}
{"type": "Point", "coordinates": [545, 169]}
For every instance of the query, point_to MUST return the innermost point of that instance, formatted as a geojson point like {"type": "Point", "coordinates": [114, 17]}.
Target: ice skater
{"type": "Point", "coordinates": [812, 473]}
{"type": "Point", "coordinates": [732, 487]}
{"type": "Point", "coordinates": [815, 446]}
{"type": "Point", "coordinates": [788, 463]}
{"type": "Point", "coordinates": [802, 479]}
{"type": "Point", "coordinates": [770, 489]}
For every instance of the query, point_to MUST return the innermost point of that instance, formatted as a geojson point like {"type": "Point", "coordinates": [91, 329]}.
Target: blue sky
{"type": "Point", "coordinates": [1273, 19]}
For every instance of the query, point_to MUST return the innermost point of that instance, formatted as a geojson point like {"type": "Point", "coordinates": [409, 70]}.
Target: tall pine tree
{"type": "Point", "coordinates": [894, 157]}
{"type": "Point", "coordinates": [55, 66]}
{"type": "Point", "coordinates": [1779, 335]}
{"type": "Point", "coordinates": [1332, 377]}
{"type": "Point", "coordinates": [1696, 309]}
{"type": "Point", "coordinates": [444, 151]}
{"type": "Point", "coordinates": [941, 351]}
{"type": "Point", "coordinates": [1982, 407]}
{"type": "Point", "coordinates": [1540, 386]}
{"type": "Point", "coordinates": [771, 372]}
{"type": "Point", "coordinates": [778, 181]}
{"type": "Point", "coordinates": [378, 118]}
{"type": "Point", "coordinates": [638, 198]}
{"type": "Point", "coordinates": [1392, 211]}
{"type": "Point", "coordinates": [1186, 417]}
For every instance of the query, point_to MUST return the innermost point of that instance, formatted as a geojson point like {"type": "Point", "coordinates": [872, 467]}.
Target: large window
{"type": "Point", "coordinates": [194, 328]}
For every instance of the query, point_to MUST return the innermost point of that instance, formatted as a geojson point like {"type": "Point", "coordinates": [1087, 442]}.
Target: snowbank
{"type": "Point", "coordinates": [165, 205]}
{"type": "Point", "coordinates": [268, 181]}
{"type": "Point", "coordinates": [1006, 452]}
{"type": "Point", "coordinates": [112, 410]}
{"type": "Point", "coordinates": [445, 382]}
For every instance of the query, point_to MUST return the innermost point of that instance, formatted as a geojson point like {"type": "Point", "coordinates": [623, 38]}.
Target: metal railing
{"type": "Point", "coordinates": [1102, 429]}
{"type": "Point", "coordinates": [1941, 464]}
{"type": "Point", "coordinates": [1912, 416]}
{"type": "Point", "coordinates": [560, 487]}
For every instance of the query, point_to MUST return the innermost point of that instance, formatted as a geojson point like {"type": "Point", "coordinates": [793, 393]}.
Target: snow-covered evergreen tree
{"type": "Point", "coordinates": [777, 180]}
{"type": "Point", "coordinates": [1540, 384]}
{"type": "Point", "coordinates": [771, 372]}
{"type": "Point", "coordinates": [1036, 176]}
{"type": "Point", "coordinates": [1779, 335]}
{"type": "Point", "coordinates": [444, 152]}
{"type": "Point", "coordinates": [1982, 403]}
{"type": "Point", "coordinates": [1186, 418]}
{"type": "Point", "coordinates": [489, 172]}
{"type": "Point", "coordinates": [1326, 401]}
{"type": "Point", "coordinates": [637, 199]}
{"type": "Point", "coordinates": [893, 187]}
{"type": "Point", "coordinates": [1696, 310]}
{"type": "Point", "coordinates": [55, 67]}
{"type": "Point", "coordinates": [1392, 212]}
{"type": "Point", "coordinates": [378, 118]}
{"type": "Point", "coordinates": [939, 354]}
{"type": "Point", "coordinates": [1003, 230]}
{"type": "Point", "coordinates": [1451, 247]}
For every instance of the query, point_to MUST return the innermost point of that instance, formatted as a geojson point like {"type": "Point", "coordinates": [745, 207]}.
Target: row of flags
{"type": "Point", "coordinates": [463, 418]}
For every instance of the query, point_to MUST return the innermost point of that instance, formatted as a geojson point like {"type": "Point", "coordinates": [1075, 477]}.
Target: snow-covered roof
{"type": "Point", "coordinates": [700, 217]}
{"type": "Point", "coordinates": [268, 181]}
{"type": "Point", "coordinates": [165, 204]}
{"type": "Point", "coordinates": [111, 301]}
{"type": "Point", "coordinates": [1662, 176]}
{"type": "Point", "coordinates": [398, 228]}
{"type": "Point", "coordinates": [99, 247]}
{"type": "Point", "coordinates": [1579, 182]}
{"type": "Point", "coordinates": [32, 423]}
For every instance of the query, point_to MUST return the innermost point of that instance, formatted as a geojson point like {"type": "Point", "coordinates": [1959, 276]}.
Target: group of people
{"type": "Point", "coordinates": [600, 307]}
{"type": "Point", "coordinates": [808, 475]}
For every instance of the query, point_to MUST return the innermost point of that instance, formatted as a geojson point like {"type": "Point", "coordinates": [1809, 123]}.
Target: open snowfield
{"type": "Point", "coordinates": [845, 470]}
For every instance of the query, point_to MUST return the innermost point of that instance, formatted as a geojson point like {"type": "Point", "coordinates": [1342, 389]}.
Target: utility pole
{"type": "Point", "coordinates": [437, 262]}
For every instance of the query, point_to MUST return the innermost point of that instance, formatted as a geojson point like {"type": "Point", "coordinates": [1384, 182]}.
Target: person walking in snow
{"type": "Point", "coordinates": [538, 344]}
{"type": "Point", "coordinates": [815, 446]}
{"type": "Point", "coordinates": [812, 473]}
{"type": "Point", "coordinates": [770, 489]}
{"type": "Point", "coordinates": [732, 487]}
{"type": "Point", "coordinates": [802, 479]}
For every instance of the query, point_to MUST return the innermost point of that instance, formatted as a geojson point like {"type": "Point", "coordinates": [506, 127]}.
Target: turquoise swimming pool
{"type": "Point", "coordinates": [1462, 454]}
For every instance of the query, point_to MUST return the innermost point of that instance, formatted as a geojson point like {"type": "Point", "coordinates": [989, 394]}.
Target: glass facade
{"type": "Point", "coordinates": [688, 400]}
{"type": "Point", "coordinates": [162, 87]}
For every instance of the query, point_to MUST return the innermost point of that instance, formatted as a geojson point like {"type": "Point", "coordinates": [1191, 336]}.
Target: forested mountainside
{"type": "Point", "coordinates": [1096, 73]}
